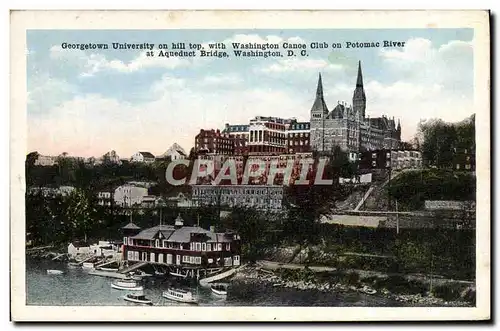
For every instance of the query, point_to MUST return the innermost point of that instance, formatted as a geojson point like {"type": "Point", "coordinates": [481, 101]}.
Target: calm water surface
{"type": "Point", "coordinates": [77, 288]}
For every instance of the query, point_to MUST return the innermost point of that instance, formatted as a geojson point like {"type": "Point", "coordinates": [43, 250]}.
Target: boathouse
{"type": "Point", "coordinates": [185, 247]}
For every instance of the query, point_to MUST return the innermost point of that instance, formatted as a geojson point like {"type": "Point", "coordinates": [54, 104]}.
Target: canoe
{"type": "Point", "coordinates": [137, 299]}
{"type": "Point", "coordinates": [219, 289]}
{"type": "Point", "coordinates": [54, 272]}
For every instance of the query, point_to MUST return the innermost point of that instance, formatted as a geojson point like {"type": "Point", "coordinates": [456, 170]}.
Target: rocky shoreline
{"type": "Point", "coordinates": [258, 275]}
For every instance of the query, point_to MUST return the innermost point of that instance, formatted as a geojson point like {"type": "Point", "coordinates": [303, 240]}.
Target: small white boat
{"type": "Point", "coordinates": [54, 272]}
{"type": "Point", "coordinates": [126, 284]}
{"type": "Point", "coordinates": [368, 290]}
{"type": "Point", "coordinates": [73, 265]}
{"type": "Point", "coordinates": [108, 269]}
{"type": "Point", "coordinates": [175, 274]}
{"type": "Point", "coordinates": [279, 284]}
{"type": "Point", "coordinates": [180, 295]}
{"type": "Point", "coordinates": [159, 273]}
{"type": "Point", "coordinates": [219, 289]}
{"type": "Point", "coordinates": [137, 298]}
{"type": "Point", "coordinates": [88, 265]}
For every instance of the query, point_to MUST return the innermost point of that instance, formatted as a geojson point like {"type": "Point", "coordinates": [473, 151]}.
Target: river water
{"type": "Point", "coordinates": [77, 288]}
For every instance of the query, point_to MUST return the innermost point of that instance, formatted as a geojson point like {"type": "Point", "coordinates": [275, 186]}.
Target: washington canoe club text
{"type": "Point", "coordinates": [227, 49]}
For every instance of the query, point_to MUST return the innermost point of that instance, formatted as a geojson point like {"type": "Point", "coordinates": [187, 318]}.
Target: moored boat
{"type": "Point", "coordinates": [126, 284]}
{"type": "Point", "coordinates": [368, 290]}
{"type": "Point", "coordinates": [180, 295]}
{"type": "Point", "coordinates": [175, 274]}
{"type": "Point", "coordinates": [54, 272]}
{"type": "Point", "coordinates": [73, 264]}
{"type": "Point", "coordinates": [279, 284]}
{"type": "Point", "coordinates": [137, 298]}
{"type": "Point", "coordinates": [107, 269]}
{"type": "Point", "coordinates": [219, 289]}
{"type": "Point", "coordinates": [88, 265]}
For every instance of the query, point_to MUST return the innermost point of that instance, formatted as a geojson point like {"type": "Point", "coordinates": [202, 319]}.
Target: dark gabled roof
{"type": "Point", "coordinates": [319, 104]}
{"type": "Point", "coordinates": [183, 235]}
{"type": "Point", "coordinates": [79, 243]}
{"type": "Point", "coordinates": [147, 154]}
{"type": "Point", "coordinates": [337, 112]}
{"type": "Point", "coordinates": [149, 234]}
{"type": "Point", "coordinates": [131, 226]}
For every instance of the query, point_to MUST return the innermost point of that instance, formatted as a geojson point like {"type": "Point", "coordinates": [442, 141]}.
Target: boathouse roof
{"type": "Point", "coordinates": [149, 234]}
{"type": "Point", "coordinates": [80, 243]}
{"type": "Point", "coordinates": [183, 235]}
{"type": "Point", "coordinates": [131, 226]}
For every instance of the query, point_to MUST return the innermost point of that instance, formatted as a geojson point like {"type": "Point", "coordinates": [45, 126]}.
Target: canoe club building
{"type": "Point", "coordinates": [181, 247]}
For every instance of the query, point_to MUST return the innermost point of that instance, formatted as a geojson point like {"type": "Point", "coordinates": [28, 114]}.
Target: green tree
{"type": "Point", "coordinates": [79, 213]}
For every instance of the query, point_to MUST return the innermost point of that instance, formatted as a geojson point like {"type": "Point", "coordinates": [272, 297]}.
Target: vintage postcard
{"type": "Point", "coordinates": [250, 166]}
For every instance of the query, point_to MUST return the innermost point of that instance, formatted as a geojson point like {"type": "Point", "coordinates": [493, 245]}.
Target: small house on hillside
{"type": "Point", "coordinates": [78, 248]}
{"type": "Point", "coordinates": [145, 157]}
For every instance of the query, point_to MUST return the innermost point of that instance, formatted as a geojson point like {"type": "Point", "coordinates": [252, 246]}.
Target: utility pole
{"type": "Point", "coordinates": [397, 218]}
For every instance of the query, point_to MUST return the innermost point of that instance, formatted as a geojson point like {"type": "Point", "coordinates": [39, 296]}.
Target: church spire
{"type": "Point", "coordinates": [359, 97]}
{"type": "Point", "coordinates": [319, 89]}
{"type": "Point", "coordinates": [359, 81]}
{"type": "Point", "coordinates": [319, 105]}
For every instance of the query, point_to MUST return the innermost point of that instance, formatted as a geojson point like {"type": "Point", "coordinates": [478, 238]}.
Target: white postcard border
{"type": "Point", "coordinates": [21, 21]}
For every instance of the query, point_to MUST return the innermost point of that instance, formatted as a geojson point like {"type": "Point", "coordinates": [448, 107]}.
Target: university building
{"type": "Point", "coordinates": [348, 126]}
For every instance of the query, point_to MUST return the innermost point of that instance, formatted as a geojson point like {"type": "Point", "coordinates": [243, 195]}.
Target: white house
{"type": "Point", "coordinates": [175, 152]}
{"type": "Point", "coordinates": [46, 161]}
{"type": "Point", "coordinates": [129, 195]}
{"type": "Point", "coordinates": [78, 248]}
{"type": "Point", "coordinates": [145, 157]}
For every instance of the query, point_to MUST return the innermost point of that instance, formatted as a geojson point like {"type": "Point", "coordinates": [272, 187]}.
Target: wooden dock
{"type": "Point", "coordinates": [110, 274]}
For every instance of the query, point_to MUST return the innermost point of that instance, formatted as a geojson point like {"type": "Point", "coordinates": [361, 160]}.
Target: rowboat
{"type": "Point", "coordinates": [137, 298]}
{"type": "Point", "coordinates": [219, 289]}
{"type": "Point", "coordinates": [180, 295]}
{"type": "Point", "coordinates": [126, 284]}
{"type": "Point", "coordinates": [368, 290]}
{"type": "Point", "coordinates": [54, 272]}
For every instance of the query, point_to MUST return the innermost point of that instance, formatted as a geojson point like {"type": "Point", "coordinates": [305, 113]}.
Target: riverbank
{"type": "Point", "coordinates": [339, 282]}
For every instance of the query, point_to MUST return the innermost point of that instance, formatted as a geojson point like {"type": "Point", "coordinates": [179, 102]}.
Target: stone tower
{"type": "Point", "coordinates": [359, 97]}
{"type": "Point", "coordinates": [319, 112]}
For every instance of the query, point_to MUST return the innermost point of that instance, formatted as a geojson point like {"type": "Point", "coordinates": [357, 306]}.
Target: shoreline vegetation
{"type": "Point", "coordinates": [448, 293]}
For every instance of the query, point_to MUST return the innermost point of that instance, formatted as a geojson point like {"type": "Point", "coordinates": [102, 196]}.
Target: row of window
{"type": "Point", "coordinates": [235, 191]}
{"type": "Point", "coordinates": [299, 143]}
{"type": "Point", "coordinates": [207, 247]}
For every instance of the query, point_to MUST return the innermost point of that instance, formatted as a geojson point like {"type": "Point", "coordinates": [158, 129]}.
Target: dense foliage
{"type": "Point", "coordinates": [412, 188]}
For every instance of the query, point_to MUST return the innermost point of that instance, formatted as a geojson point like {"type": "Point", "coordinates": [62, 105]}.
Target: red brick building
{"type": "Point", "coordinates": [240, 134]}
{"type": "Point", "coordinates": [182, 246]}
{"type": "Point", "coordinates": [214, 142]}
{"type": "Point", "coordinates": [298, 135]}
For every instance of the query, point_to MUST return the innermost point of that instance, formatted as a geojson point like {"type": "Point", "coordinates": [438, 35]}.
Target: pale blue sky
{"type": "Point", "coordinates": [89, 102]}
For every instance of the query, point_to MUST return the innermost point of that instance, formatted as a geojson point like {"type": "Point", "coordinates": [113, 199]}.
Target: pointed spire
{"type": "Point", "coordinates": [359, 92]}
{"type": "Point", "coordinates": [319, 89]}
{"type": "Point", "coordinates": [359, 81]}
{"type": "Point", "coordinates": [319, 105]}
